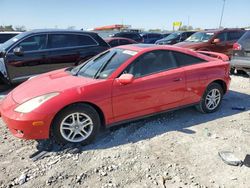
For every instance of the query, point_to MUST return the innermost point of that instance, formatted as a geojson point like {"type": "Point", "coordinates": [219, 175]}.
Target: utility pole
{"type": "Point", "coordinates": [222, 12]}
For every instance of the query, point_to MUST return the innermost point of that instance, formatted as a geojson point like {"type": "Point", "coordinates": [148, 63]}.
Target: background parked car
{"type": "Point", "coordinates": [213, 40]}
{"type": "Point", "coordinates": [165, 34]}
{"type": "Point", "coordinates": [241, 54]}
{"type": "Point", "coordinates": [4, 36]}
{"type": "Point", "coordinates": [131, 35]}
{"type": "Point", "coordinates": [118, 41]}
{"type": "Point", "coordinates": [175, 37]}
{"type": "Point", "coordinates": [151, 38]}
{"type": "Point", "coordinates": [38, 51]}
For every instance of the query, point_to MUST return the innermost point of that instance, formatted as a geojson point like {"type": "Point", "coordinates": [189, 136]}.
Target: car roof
{"type": "Point", "coordinates": [58, 31]}
{"type": "Point", "coordinates": [117, 38]}
{"type": "Point", "coordinates": [146, 47]}
{"type": "Point", "coordinates": [150, 47]}
{"type": "Point", "coordinates": [220, 30]}
{"type": "Point", "coordinates": [10, 32]}
{"type": "Point", "coordinates": [128, 32]}
{"type": "Point", "coordinates": [146, 33]}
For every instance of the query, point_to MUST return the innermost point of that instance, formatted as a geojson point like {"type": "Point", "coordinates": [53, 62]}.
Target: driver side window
{"type": "Point", "coordinates": [222, 37]}
{"type": "Point", "coordinates": [34, 43]}
{"type": "Point", "coordinates": [150, 63]}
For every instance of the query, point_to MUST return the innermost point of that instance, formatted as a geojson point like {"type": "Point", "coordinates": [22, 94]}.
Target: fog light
{"type": "Point", "coordinates": [38, 123]}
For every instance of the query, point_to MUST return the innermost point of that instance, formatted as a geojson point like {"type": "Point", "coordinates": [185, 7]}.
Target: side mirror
{"type": "Point", "coordinates": [216, 41]}
{"type": "Point", "coordinates": [126, 79]}
{"type": "Point", "coordinates": [18, 51]}
{"type": "Point", "coordinates": [2, 53]}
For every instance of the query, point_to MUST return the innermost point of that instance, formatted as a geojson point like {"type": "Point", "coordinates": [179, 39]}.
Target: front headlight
{"type": "Point", "coordinates": [34, 103]}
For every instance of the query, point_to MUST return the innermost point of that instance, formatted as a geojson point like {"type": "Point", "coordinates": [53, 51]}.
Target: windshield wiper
{"type": "Point", "coordinates": [96, 76]}
{"type": "Point", "coordinates": [81, 66]}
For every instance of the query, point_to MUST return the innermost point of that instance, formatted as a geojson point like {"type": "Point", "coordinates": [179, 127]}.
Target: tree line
{"type": "Point", "coordinates": [12, 28]}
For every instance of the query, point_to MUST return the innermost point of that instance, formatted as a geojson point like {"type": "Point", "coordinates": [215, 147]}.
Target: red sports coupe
{"type": "Point", "coordinates": [119, 85]}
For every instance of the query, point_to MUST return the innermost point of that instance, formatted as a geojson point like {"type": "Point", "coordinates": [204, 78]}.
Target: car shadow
{"type": "Point", "coordinates": [179, 120]}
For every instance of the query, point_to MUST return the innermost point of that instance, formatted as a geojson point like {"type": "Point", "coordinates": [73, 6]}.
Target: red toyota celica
{"type": "Point", "coordinates": [119, 85]}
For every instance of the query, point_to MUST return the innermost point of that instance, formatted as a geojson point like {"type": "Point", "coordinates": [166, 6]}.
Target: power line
{"type": "Point", "coordinates": [222, 12]}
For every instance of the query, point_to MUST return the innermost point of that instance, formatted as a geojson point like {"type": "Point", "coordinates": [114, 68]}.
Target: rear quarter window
{"type": "Point", "coordinates": [85, 40]}
{"type": "Point", "coordinates": [234, 35]}
{"type": "Point", "coordinates": [222, 36]}
{"type": "Point", "coordinates": [185, 59]}
{"type": "Point", "coordinates": [70, 40]}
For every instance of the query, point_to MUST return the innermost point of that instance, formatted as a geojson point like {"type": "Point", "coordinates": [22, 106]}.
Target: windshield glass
{"type": "Point", "coordinates": [10, 42]}
{"type": "Point", "coordinates": [172, 36]}
{"type": "Point", "coordinates": [200, 37]}
{"type": "Point", "coordinates": [244, 41]}
{"type": "Point", "coordinates": [104, 64]}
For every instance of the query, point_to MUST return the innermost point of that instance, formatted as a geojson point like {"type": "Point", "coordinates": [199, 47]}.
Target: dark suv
{"type": "Point", "coordinates": [38, 51]}
{"type": "Point", "coordinates": [175, 37]}
{"type": "Point", "coordinates": [219, 40]}
{"type": "Point", "coordinates": [131, 35]}
{"type": "Point", "coordinates": [241, 54]}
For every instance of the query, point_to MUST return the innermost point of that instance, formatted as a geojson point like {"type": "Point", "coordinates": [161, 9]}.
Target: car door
{"type": "Point", "coordinates": [158, 85]}
{"type": "Point", "coordinates": [222, 45]}
{"type": "Point", "coordinates": [64, 50]}
{"type": "Point", "coordinates": [195, 74]}
{"type": "Point", "coordinates": [30, 60]}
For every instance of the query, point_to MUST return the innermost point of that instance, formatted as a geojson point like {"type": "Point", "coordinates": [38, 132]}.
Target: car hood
{"type": "Point", "coordinates": [56, 81]}
{"type": "Point", "coordinates": [190, 44]}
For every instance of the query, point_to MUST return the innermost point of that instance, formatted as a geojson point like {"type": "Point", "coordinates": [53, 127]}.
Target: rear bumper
{"type": "Point", "coordinates": [239, 63]}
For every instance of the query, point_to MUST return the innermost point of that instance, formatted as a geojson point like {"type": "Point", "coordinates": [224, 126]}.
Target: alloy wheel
{"type": "Point", "coordinates": [213, 99]}
{"type": "Point", "coordinates": [76, 127]}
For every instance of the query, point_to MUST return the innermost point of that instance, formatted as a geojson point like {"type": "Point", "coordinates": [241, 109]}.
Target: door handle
{"type": "Point", "coordinates": [177, 79]}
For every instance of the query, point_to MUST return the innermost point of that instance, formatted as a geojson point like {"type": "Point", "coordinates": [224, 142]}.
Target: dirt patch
{"type": "Point", "coordinates": [176, 149]}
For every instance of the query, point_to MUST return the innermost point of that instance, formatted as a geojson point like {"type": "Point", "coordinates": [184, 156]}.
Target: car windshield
{"type": "Point", "coordinates": [172, 36]}
{"type": "Point", "coordinates": [104, 64]}
{"type": "Point", "coordinates": [10, 42]}
{"type": "Point", "coordinates": [244, 41]}
{"type": "Point", "coordinates": [200, 37]}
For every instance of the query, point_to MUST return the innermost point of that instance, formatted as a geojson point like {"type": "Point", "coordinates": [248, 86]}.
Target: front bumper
{"type": "Point", "coordinates": [25, 125]}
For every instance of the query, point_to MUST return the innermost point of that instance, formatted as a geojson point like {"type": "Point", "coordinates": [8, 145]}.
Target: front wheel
{"type": "Point", "coordinates": [211, 99]}
{"type": "Point", "coordinates": [77, 124]}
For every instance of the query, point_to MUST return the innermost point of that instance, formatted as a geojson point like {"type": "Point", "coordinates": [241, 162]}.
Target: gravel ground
{"type": "Point", "coordinates": [176, 149]}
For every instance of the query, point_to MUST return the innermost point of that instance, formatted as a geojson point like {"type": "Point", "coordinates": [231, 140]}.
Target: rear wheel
{"type": "Point", "coordinates": [78, 124]}
{"type": "Point", "coordinates": [211, 99]}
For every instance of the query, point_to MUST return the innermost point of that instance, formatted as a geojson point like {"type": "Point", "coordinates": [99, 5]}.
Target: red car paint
{"type": "Point", "coordinates": [146, 95]}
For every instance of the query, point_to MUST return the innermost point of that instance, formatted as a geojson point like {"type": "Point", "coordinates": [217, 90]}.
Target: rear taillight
{"type": "Point", "coordinates": [236, 46]}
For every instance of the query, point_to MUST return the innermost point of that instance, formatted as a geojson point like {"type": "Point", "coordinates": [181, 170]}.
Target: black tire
{"type": "Point", "coordinates": [67, 113]}
{"type": "Point", "coordinates": [232, 70]}
{"type": "Point", "coordinates": [202, 106]}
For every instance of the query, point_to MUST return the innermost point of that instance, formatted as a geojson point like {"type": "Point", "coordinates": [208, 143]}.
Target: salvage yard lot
{"type": "Point", "coordinates": [173, 149]}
